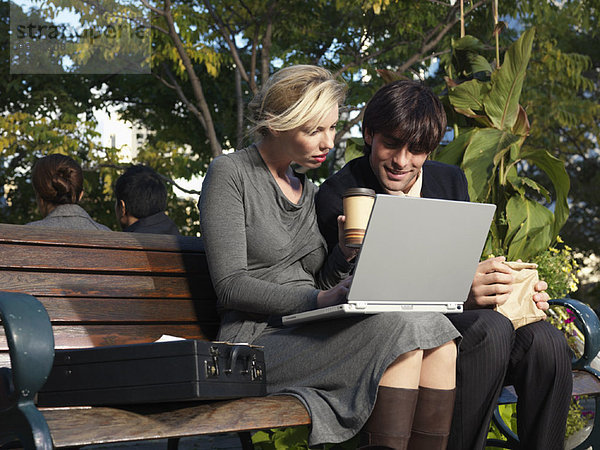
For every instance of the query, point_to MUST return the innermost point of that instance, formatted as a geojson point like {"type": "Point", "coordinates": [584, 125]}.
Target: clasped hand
{"type": "Point", "coordinates": [492, 286]}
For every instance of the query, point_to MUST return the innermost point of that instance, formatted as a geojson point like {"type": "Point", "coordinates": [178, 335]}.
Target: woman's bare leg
{"type": "Point", "coordinates": [433, 412]}
{"type": "Point", "coordinates": [405, 372]}
{"type": "Point", "coordinates": [438, 369]}
{"type": "Point", "coordinates": [390, 423]}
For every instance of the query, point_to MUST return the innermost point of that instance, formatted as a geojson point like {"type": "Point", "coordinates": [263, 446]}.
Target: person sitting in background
{"type": "Point", "coordinates": [142, 201]}
{"type": "Point", "coordinates": [58, 183]}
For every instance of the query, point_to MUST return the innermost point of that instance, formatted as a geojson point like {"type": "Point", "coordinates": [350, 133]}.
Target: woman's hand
{"type": "Point", "coordinates": [335, 295]}
{"type": "Point", "coordinates": [349, 253]}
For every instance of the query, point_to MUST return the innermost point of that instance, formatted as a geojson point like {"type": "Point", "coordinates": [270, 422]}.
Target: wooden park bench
{"type": "Point", "coordinates": [110, 288]}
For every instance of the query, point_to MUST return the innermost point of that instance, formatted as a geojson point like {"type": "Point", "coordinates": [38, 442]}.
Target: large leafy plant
{"type": "Point", "coordinates": [490, 128]}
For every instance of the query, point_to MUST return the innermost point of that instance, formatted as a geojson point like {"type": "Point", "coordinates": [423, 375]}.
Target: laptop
{"type": "Point", "coordinates": [418, 254]}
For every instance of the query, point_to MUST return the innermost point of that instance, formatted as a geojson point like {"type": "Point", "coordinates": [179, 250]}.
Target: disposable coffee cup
{"type": "Point", "coordinates": [358, 203]}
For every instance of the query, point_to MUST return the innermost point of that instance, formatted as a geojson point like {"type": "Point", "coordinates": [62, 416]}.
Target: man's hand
{"type": "Point", "coordinates": [492, 284]}
{"type": "Point", "coordinates": [349, 253]}
{"type": "Point", "coordinates": [541, 297]}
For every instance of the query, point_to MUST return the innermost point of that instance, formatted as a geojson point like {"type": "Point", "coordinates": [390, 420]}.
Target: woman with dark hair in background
{"type": "Point", "coordinates": [58, 183]}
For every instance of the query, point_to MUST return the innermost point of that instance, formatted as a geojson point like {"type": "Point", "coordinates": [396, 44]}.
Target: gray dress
{"type": "Point", "coordinates": [267, 259]}
{"type": "Point", "coordinates": [69, 217]}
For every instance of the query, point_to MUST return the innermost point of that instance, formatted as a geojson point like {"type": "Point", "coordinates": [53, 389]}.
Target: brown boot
{"type": "Point", "coordinates": [433, 416]}
{"type": "Point", "coordinates": [390, 422]}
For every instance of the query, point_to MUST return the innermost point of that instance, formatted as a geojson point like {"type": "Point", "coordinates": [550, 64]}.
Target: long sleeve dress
{"type": "Point", "coordinates": [267, 258]}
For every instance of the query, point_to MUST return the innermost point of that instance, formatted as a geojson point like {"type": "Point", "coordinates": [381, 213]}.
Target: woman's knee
{"type": "Point", "coordinates": [444, 355]}
{"type": "Point", "coordinates": [438, 369]}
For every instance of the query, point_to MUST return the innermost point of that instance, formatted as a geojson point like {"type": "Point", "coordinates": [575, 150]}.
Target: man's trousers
{"type": "Point", "coordinates": [535, 359]}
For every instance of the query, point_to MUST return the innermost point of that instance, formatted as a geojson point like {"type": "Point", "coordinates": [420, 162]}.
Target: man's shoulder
{"type": "Point", "coordinates": [440, 168]}
{"type": "Point", "coordinates": [444, 181]}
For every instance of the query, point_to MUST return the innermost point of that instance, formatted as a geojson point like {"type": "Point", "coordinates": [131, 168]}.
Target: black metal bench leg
{"type": "Point", "coordinates": [246, 440]}
{"type": "Point", "coordinates": [173, 444]}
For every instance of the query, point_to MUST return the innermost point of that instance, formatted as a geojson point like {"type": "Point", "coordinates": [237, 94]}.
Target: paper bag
{"type": "Point", "coordinates": [520, 307]}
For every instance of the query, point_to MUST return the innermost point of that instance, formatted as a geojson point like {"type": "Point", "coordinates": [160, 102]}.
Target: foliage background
{"type": "Point", "coordinates": [210, 56]}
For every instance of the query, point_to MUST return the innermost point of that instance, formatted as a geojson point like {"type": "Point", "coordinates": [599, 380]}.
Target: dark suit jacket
{"type": "Point", "coordinates": [158, 223]}
{"type": "Point", "coordinates": [440, 180]}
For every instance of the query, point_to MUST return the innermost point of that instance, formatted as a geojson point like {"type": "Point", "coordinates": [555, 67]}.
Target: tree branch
{"type": "Point", "coordinates": [431, 39]}
{"type": "Point", "coordinates": [126, 166]}
{"type": "Point", "coordinates": [203, 108]}
{"type": "Point", "coordinates": [177, 88]}
{"type": "Point", "coordinates": [226, 33]}
{"type": "Point", "coordinates": [147, 4]}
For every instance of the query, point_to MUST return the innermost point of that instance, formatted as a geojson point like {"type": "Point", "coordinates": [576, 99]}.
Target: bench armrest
{"type": "Point", "coordinates": [30, 342]}
{"type": "Point", "coordinates": [31, 348]}
{"type": "Point", "coordinates": [590, 327]}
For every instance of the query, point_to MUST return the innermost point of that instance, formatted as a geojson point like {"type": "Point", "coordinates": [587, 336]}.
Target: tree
{"type": "Point", "coordinates": [209, 57]}
{"type": "Point", "coordinates": [562, 97]}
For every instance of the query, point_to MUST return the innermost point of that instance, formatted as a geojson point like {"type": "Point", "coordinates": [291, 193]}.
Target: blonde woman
{"type": "Point", "coordinates": [268, 259]}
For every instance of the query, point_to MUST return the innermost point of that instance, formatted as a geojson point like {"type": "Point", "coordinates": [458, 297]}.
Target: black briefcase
{"type": "Point", "coordinates": [156, 372]}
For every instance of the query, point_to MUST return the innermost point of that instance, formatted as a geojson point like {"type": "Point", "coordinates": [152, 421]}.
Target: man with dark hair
{"type": "Point", "coordinates": [141, 202]}
{"type": "Point", "coordinates": [402, 124]}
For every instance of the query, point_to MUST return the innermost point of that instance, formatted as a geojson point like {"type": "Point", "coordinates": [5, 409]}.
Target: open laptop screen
{"type": "Point", "coordinates": [421, 250]}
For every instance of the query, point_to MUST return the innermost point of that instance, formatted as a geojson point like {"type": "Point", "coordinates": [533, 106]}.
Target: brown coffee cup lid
{"type": "Point", "coordinates": [359, 191]}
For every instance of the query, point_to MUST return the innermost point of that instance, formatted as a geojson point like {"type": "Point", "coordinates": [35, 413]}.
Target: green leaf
{"type": "Point", "coordinates": [529, 228]}
{"type": "Point", "coordinates": [354, 148]}
{"type": "Point", "coordinates": [468, 43]}
{"type": "Point", "coordinates": [479, 64]}
{"type": "Point", "coordinates": [521, 126]}
{"type": "Point", "coordinates": [502, 102]}
{"type": "Point", "coordinates": [518, 183]}
{"type": "Point", "coordinates": [478, 162]}
{"type": "Point", "coordinates": [555, 169]}
{"type": "Point", "coordinates": [453, 152]}
{"type": "Point", "coordinates": [468, 96]}
{"type": "Point", "coordinates": [294, 437]}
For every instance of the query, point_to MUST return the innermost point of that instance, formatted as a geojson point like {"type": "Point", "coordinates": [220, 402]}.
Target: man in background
{"type": "Point", "coordinates": [141, 202]}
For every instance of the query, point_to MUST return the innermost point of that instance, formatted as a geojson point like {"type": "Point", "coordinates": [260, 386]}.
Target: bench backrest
{"type": "Point", "coordinates": [110, 288]}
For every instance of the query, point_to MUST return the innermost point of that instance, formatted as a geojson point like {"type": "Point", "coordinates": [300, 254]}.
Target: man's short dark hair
{"type": "Point", "coordinates": [410, 112]}
{"type": "Point", "coordinates": [142, 190]}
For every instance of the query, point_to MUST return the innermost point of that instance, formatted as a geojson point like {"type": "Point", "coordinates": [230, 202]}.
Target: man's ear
{"type": "Point", "coordinates": [80, 196]}
{"type": "Point", "coordinates": [121, 207]}
{"type": "Point", "coordinates": [368, 137]}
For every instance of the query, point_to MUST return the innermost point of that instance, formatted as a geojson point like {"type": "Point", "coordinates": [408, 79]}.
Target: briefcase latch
{"type": "Point", "coordinates": [212, 367]}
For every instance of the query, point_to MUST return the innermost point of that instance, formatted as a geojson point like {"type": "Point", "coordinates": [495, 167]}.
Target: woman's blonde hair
{"type": "Point", "coordinates": [293, 97]}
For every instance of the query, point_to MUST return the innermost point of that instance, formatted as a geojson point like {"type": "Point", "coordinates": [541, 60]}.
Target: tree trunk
{"type": "Point", "coordinates": [239, 102]}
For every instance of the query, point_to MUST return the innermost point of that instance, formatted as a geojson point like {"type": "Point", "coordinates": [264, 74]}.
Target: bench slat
{"type": "Point", "coordinates": [80, 336]}
{"type": "Point", "coordinates": [64, 309]}
{"type": "Point", "coordinates": [584, 383]}
{"type": "Point", "coordinates": [39, 235]}
{"type": "Point", "coordinates": [102, 285]}
{"type": "Point", "coordinates": [100, 260]}
{"type": "Point", "coordinates": [105, 425]}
